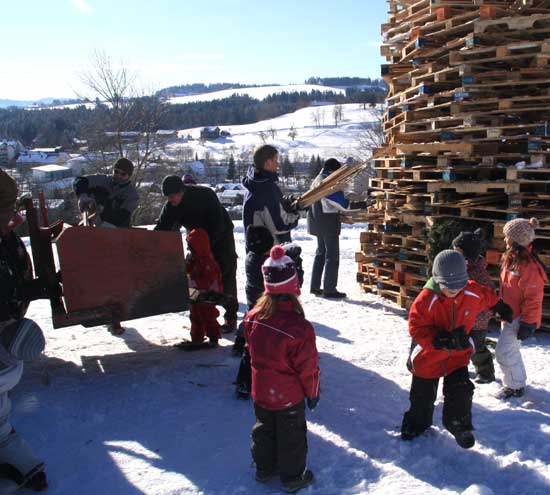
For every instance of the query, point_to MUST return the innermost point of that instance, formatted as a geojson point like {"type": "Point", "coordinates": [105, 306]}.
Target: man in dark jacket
{"type": "Point", "coordinates": [194, 207]}
{"type": "Point", "coordinates": [264, 203]}
{"type": "Point", "coordinates": [323, 221]}
{"type": "Point", "coordinates": [114, 197]}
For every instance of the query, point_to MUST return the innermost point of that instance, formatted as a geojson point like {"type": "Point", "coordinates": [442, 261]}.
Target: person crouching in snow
{"type": "Point", "coordinates": [204, 274]}
{"type": "Point", "coordinates": [440, 321]}
{"type": "Point", "coordinates": [522, 279]}
{"type": "Point", "coordinates": [285, 375]}
{"type": "Point", "coordinates": [469, 245]}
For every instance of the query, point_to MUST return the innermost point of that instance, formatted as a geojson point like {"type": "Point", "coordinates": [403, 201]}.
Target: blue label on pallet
{"type": "Point", "coordinates": [446, 136]}
{"type": "Point", "coordinates": [461, 96]}
{"type": "Point", "coordinates": [420, 43]}
{"type": "Point", "coordinates": [448, 175]}
{"type": "Point", "coordinates": [542, 130]}
{"type": "Point", "coordinates": [379, 285]}
{"type": "Point", "coordinates": [402, 255]}
{"type": "Point", "coordinates": [534, 146]}
{"type": "Point", "coordinates": [468, 80]}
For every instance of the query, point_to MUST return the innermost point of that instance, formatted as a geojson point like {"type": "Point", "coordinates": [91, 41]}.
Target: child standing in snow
{"type": "Point", "coordinates": [285, 374]}
{"type": "Point", "coordinates": [469, 245]}
{"type": "Point", "coordinates": [204, 274]}
{"type": "Point", "coordinates": [522, 279]}
{"type": "Point", "coordinates": [440, 321]}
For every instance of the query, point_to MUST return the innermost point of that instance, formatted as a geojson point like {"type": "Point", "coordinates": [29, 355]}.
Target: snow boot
{"type": "Point", "coordinates": [296, 484]}
{"type": "Point", "coordinates": [461, 429]}
{"type": "Point", "coordinates": [509, 393]}
{"type": "Point", "coordinates": [116, 328]}
{"type": "Point", "coordinates": [189, 345]}
{"type": "Point", "coordinates": [263, 475]}
{"type": "Point", "coordinates": [242, 391]}
{"type": "Point", "coordinates": [334, 294]}
{"type": "Point", "coordinates": [38, 482]}
{"type": "Point", "coordinates": [229, 326]}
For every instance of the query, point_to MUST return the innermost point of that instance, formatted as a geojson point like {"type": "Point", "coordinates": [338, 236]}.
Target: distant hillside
{"type": "Point", "coordinates": [29, 103]}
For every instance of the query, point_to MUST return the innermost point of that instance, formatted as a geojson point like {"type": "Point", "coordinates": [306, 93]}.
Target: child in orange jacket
{"type": "Point", "coordinates": [522, 279]}
{"type": "Point", "coordinates": [440, 321]}
{"type": "Point", "coordinates": [204, 274]}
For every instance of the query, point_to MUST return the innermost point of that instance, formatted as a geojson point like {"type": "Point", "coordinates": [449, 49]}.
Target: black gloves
{"type": "Point", "coordinates": [33, 289]}
{"type": "Point", "coordinates": [290, 203]}
{"type": "Point", "coordinates": [358, 205]}
{"type": "Point", "coordinates": [505, 312]}
{"type": "Point", "coordinates": [312, 402]}
{"type": "Point", "coordinates": [526, 330]}
{"type": "Point", "coordinates": [457, 340]}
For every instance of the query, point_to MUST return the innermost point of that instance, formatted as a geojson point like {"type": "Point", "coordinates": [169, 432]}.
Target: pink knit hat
{"type": "Point", "coordinates": [521, 231]}
{"type": "Point", "coordinates": [279, 273]}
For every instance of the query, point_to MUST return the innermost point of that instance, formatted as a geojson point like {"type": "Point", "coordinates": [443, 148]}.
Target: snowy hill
{"type": "Point", "coordinates": [132, 415]}
{"type": "Point", "coordinates": [258, 93]}
{"type": "Point", "coordinates": [315, 134]}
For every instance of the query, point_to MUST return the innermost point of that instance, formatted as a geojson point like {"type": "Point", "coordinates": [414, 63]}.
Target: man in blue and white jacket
{"type": "Point", "coordinates": [323, 221]}
{"type": "Point", "coordinates": [264, 203]}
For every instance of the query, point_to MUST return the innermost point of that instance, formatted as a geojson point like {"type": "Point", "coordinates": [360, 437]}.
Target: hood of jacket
{"type": "Point", "coordinates": [199, 242]}
{"type": "Point", "coordinates": [257, 179]}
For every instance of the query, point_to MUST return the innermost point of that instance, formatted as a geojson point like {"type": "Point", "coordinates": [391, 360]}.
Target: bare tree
{"type": "Point", "coordinates": [127, 119]}
{"type": "Point", "coordinates": [272, 131]}
{"type": "Point", "coordinates": [292, 133]}
{"type": "Point", "coordinates": [372, 135]}
{"type": "Point", "coordinates": [337, 114]}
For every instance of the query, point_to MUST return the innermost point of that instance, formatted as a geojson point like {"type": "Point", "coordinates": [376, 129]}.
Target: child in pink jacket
{"type": "Point", "coordinates": [522, 279]}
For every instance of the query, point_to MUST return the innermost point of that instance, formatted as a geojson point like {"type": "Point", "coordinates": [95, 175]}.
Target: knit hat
{"type": "Point", "coordinates": [188, 179]}
{"type": "Point", "coordinates": [469, 243]}
{"type": "Point", "coordinates": [171, 184]}
{"type": "Point", "coordinates": [8, 196]}
{"type": "Point", "coordinates": [258, 239]}
{"type": "Point", "coordinates": [23, 339]}
{"type": "Point", "coordinates": [521, 231]}
{"type": "Point", "coordinates": [449, 270]}
{"type": "Point", "coordinates": [331, 165]}
{"type": "Point", "coordinates": [279, 273]}
{"type": "Point", "coordinates": [125, 165]}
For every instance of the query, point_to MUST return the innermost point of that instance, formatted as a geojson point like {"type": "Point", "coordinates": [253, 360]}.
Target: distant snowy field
{"type": "Point", "coordinates": [259, 93]}
{"type": "Point", "coordinates": [326, 139]}
{"type": "Point", "coordinates": [131, 415]}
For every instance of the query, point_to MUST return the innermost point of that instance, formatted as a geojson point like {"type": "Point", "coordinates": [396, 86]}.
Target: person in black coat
{"type": "Point", "coordinates": [194, 207]}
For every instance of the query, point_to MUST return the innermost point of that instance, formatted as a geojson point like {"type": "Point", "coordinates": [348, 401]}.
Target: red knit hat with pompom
{"type": "Point", "coordinates": [279, 273]}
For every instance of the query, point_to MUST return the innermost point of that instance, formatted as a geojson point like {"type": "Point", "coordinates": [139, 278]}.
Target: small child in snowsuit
{"type": "Point", "coordinates": [469, 245]}
{"type": "Point", "coordinates": [285, 375]}
{"type": "Point", "coordinates": [522, 279]}
{"type": "Point", "coordinates": [204, 274]}
{"type": "Point", "coordinates": [20, 340]}
{"type": "Point", "coordinates": [440, 321]}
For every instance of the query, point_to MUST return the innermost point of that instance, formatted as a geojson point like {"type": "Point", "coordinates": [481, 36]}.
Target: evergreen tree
{"type": "Point", "coordinates": [231, 168]}
{"type": "Point", "coordinates": [312, 167]}
{"type": "Point", "coordinates": [287, 169]}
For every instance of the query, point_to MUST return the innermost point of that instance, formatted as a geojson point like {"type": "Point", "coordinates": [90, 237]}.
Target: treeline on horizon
{"type": "Point", "coordinates": [49, 127]}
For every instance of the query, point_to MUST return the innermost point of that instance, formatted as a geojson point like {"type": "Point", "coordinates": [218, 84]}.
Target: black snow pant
{"type": "Point", "coordinates": [482, 359]}
{"type": "Point", "coordinates": [458, 392]}
{"type": "Point", "coordinates": [244, 375]}
{"type": "Point", "coordinates": [227, 260]}
{"type": "Point", "coordinates": [279, 441]}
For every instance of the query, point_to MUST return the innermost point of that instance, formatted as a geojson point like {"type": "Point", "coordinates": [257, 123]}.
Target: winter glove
{"type": "Point", "coordinates": [461, 339]}
{"type": "Point", "coordinates": [290, 203]}
{"type": "Point", "coordinates": [312, 402]}
{"type": "Point", "coordinates": [85, 202]}
{"type": "Point", "coordinates": [526, 330]}
{"type": "Point", "coordinates": [505, 312]}
{"type": "Point", "coordinates": [358, 205]}
{"type": "Point", "coordinates": [444, 341]}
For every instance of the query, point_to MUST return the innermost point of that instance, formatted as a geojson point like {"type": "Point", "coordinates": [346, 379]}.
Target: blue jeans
{"type": "Point", "coordinates": [327, 259]}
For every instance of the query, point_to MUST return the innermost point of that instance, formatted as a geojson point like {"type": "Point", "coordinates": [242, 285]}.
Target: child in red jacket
{"type": "Point", "coordinates": [204, 274]}
{"type": "Point", "coordinates": [285, 373]}
{"type": "Point", "coordinates": [440, 321]}
{"type": "Point", "coordinates": [522, 279]}
{"type": "Point", "coordinates": [469, 245]}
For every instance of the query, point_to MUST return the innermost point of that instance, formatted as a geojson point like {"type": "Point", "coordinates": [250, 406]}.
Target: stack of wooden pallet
{"type": "Point", "coordinates": [468, 128]}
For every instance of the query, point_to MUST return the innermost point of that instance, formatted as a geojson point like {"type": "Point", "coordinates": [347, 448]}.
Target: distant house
{"type": "Point", "coordinates": [43, 156]}
{"type": "Point", "coordinates": [166, 134]}
{"type": "Point", "coordinates": [210, 133]}
{"type": "Point", "coordinates": [9, 150]}
{"type": "Point", "coordinates": [195, 168]}
{"type": "Point", "coordinates": [50, 173]}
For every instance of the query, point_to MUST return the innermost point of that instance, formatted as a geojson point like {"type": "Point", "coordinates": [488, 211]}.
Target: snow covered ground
{"type": "Point", "coordinates": [132, 415]}
{"type": "Point", "coordinates": [260, 93]}
{"type": "Point", "coordinates": [316, 134]}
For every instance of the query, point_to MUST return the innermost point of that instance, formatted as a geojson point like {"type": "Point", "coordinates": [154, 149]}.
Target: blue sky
{"type": "Point", "coordinates": [46, 44]}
